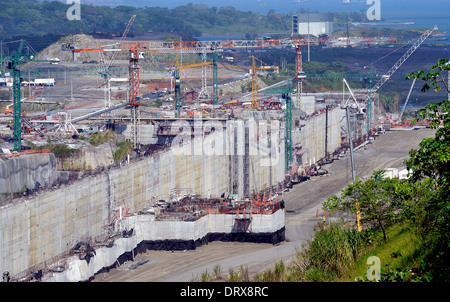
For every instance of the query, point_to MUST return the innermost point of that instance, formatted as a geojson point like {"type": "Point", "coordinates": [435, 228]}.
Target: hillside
{"type": "Point", "coordinates": [33, 18]}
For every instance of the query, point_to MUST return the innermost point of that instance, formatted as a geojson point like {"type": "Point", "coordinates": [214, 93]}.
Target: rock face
{"type": "Point", "coordinates": [88, 158]}
{"type": "Point", "coordinates": [27, 172]}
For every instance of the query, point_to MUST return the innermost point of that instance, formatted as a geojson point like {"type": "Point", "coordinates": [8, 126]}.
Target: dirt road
{"type": "Point", "coordinates": [302, 201]}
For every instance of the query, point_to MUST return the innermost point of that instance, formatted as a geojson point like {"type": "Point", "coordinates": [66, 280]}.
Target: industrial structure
{"type": "Point", "coordinates": [315, 24]}
{"type": "Point", "coordinates": [198, 170]}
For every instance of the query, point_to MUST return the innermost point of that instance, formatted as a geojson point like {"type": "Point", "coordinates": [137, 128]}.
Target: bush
{"type": "Point", "coordinates": [331, 253]}
{"type": "Point", "coordinates": [101, 137]}
{"type": "Point", "coordinates": [124, 148]}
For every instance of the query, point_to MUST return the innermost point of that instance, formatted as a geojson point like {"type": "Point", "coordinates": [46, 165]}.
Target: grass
{"type": "Point", "coordinates": [400, 252]}
{"type": "Point", "coordinates": [339, 254]}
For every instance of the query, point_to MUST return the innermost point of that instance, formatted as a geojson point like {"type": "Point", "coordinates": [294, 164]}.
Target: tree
{"type": "Point", "coordinates": [378, 199]}
{"type": "Point", "coordinates": [431, 161]}
{"type": "Point", "coordinates": [433, 156]}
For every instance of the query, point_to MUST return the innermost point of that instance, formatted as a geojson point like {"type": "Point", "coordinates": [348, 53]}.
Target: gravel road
{"type": "Point", "coordinates": [302, 201]}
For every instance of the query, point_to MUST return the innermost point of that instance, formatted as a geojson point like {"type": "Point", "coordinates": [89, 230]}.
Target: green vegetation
{"type": "Point", "coordinates": [49, 19]}
{"type": "Point", "coordinates": [378, 201]}
{"type": "Point", "coordinates": [101, 137]}
{"type": "Point", "coordinates": [124, 148]}
{"type": "Point", "coordinates": [391, 97]}
{"type": "Point", "coordinates": [61, 151]}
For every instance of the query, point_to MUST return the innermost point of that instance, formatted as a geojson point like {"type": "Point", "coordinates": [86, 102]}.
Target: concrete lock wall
{"type": "Point", "coordinates": [312, 135]}
{"type": "Point", "coordinates": [38, 230]}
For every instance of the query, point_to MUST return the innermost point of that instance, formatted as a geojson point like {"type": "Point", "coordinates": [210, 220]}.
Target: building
{"type": "Point", "coordinates": [315, 24]}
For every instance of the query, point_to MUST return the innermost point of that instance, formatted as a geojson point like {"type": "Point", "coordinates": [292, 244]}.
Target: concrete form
{"type": "Point", "coordinates": [148, 231]}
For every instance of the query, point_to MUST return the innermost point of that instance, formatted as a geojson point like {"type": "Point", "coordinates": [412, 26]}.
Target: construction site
{"type": "Point", "coordinates": [114, 148]}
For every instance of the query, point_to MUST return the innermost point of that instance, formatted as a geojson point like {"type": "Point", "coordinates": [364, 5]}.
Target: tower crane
{"type": "Point", "coordinates": [254, 105]}
{"type": "Point", "coordinates": [104, 70]}
{"type": "Point", "coordinates": [14, 63]}
{"type": "Point", "coordinates": [177, 91]}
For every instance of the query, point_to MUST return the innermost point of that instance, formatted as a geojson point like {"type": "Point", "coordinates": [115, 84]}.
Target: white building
{"type": "Point", "coordinates": [315, 24]}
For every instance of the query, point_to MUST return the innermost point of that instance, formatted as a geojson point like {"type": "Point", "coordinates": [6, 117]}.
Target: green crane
{"type": "Point", "coordinates": [285, 92]}
{"type": "Point", "coordinates": [14, 62]}
{"type": "Point", "coordinates": [177, 93]}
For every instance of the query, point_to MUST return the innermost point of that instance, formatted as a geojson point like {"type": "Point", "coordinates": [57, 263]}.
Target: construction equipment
{"type": "Point", "coordinates": [253, 70]}
{"type": "Point", "coordinates": [136, 51]}
{"type": "Point", "coordinates": [176, 68]}
{"type": "Point", "coordinates": [14, 63]}
{"type": "Point", "coordinates": [104, 68]}
{"type": "Point", "coordinates": [286, 92]}
{"type": "Point", "coordinates": [407, 99]}
{"type": "Point", "coordinates": [393, 69]}
{"type": "Point", "coordinates": [399, 63]}
{"type": "Point", "coordinates": [8, 109]}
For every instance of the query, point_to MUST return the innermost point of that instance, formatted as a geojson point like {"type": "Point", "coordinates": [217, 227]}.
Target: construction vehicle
{"type": "Point", "coordinates": [8, 109]}
{"type": "Point", "coordinates": [273, 105]}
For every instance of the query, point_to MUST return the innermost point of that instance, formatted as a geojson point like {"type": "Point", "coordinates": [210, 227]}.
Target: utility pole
{"type": "Point", "coordinates": [349, 133]}
{"type": "Point", "coordinates": [326, 132]}
{"type": "Point", "coordinates": [1, 54]}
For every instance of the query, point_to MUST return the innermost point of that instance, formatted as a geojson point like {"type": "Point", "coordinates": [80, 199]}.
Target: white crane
{"type": "Point", "coordinates": [394, 68]}
{"type": "Point", "coordinates": [407, 99]}
{"type": "Point", "coordinates": [399, 63]}
{"type": "Point", "coordinates": [104, 69]}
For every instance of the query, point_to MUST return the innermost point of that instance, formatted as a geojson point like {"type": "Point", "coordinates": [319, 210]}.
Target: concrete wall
{"type": "Point", "coordinates": [37, 231]}
{"type": "Point", "coordinates": [148, 229]}
{"type": "Point", "coordinates": [312, 135]}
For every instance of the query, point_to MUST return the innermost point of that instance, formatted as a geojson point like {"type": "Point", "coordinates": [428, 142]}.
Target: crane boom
{"type": "Point", "coordinates": [125, 33]}
{"type": "Point", "coordinates": [407, 99]}
{"type": "Point", "coordinates": [399, 63]}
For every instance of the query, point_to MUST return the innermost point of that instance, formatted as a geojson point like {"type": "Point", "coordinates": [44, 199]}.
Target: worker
{"type": "Point", "coordinates": [324, 219]}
